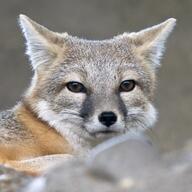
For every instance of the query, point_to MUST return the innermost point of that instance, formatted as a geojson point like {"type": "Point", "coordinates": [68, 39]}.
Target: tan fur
{"type": "Point", "coordinates": [47, 139]}
{"type": "Point", "coordinates": [44, 141]}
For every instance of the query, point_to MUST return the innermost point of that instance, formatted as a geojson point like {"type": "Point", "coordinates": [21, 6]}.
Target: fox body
{"type": "Point", "coordinates": [82, 92]}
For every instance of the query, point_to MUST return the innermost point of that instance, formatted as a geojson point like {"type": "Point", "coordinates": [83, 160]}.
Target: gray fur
{"type": "Point", "coordinates": [11, 130]}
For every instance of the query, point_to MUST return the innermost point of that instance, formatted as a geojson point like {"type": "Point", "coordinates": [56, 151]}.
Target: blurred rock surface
{"type": "Point", "coordinates": [12, 181]}
{"type": "Point", "coordinates": [130, 164]}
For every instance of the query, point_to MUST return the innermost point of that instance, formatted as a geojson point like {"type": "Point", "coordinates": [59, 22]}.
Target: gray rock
{"type": "Point", "coordinates": [72, 176]}
{"type": "Point", "coordinates": [129, 163]}
{"type": "Point", "coordinates": [132, 154]}
{"type": "Point", "coordinates": [12, 180]}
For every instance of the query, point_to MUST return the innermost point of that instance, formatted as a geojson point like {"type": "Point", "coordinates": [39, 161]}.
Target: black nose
{"type": "Point", "coordinates": [107, 118]}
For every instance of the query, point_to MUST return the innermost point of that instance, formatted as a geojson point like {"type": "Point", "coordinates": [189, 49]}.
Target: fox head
{"type": "Point", "coordinates": [93, 90]}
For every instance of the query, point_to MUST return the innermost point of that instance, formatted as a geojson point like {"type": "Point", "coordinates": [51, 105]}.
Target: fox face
{"type": "Point", "coordinates": [92, 90]}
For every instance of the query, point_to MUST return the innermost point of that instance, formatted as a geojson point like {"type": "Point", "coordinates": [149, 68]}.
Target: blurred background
{"type": "Point", "coordinates": [99, 19]}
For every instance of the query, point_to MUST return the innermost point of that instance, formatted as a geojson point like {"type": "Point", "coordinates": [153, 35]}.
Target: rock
{"type": "Point", "coordinates": [72, 176]}
{"type": "Point", "coordinates": [129, 163]}
{"type": "Point", "coordinates": [127, 155]}
{"type": "Point", "coordinates": [12, 180]}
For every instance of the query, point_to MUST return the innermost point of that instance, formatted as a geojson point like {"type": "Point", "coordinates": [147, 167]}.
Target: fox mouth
{"type": "Point", "coordinates": [104, 133]}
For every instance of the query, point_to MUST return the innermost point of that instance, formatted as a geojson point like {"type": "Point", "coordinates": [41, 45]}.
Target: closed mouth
{"type": "Point", "coordinates": [106, 132]}
{"type": "Point", "coordinates": [103, 133]}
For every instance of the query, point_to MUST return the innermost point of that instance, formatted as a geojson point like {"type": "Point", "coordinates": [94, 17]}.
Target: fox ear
{"type": "Point", "coordinates": [42, 44]}
{"type": "Point", "coordinates": [150, 42]}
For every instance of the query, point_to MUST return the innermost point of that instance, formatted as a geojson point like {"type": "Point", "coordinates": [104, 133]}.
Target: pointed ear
{"type": "Point", "coordinates": [42, 44]}
{"type": "Point", "coordinates": [150, 42]}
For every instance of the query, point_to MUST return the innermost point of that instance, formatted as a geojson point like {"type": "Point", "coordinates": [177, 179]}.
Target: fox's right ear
{"type": "Point", "coordinates": [42, 44]}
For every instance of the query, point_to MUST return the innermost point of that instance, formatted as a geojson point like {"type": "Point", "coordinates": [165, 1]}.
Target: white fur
{"type": "Point", "coordinates": [38, 47]}
{"type": "Point", "coordinates": [148, 118]}
{"type": "Point", "coordinates": [151, 115]}
{"type": "Point", "coordinates": [36, 44]}
{"type": "Point", "coordinates": [66, 130]}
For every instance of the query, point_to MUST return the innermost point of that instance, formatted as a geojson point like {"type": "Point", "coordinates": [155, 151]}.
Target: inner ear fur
{"type": "Point", "coordinates": [150, 43]}
{"type": "Point", "coordinates": [42, 45]}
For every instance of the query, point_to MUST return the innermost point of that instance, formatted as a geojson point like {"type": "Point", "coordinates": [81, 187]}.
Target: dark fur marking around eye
{"type": "Point", "coordinates": [87, 107]}
{"type": "Point", "coordinates": [122, 106]}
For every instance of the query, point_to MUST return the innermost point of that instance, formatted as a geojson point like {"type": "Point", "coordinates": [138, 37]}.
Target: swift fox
{"type": "Point", "coordinates": [82, 92]}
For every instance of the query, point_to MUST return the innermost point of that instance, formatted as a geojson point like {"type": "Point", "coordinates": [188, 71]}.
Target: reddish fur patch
{"type": "Point", "coordinates": [44, 140]}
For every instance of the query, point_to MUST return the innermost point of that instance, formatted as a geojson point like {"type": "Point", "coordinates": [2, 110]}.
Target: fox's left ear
{"type": "Point", "coordinates": [42, 44]}
{"type": "Point", "coordinates": [150, 42]}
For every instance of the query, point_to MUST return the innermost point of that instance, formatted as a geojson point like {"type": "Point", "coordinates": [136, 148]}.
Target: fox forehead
{"type": "Point", "coordinates": [94, 59]}
{"type": "Point", "coordinates": [98, 52]}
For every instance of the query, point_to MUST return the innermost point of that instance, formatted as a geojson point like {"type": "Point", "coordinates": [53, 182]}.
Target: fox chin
{"type": "Point", "coordinates": [82, 91]}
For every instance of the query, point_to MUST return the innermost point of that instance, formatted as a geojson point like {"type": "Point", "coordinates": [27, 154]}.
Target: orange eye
{"type": "Point", "coordinates": [127, 85]}
{"type": "Point", "coordinates": [76, 87]}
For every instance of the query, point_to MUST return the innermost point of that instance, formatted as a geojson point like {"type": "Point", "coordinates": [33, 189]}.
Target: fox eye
{"type": "Point", "coordinates": [127, 85]}
{"type": "Point", "coordinates": [76, 87]}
